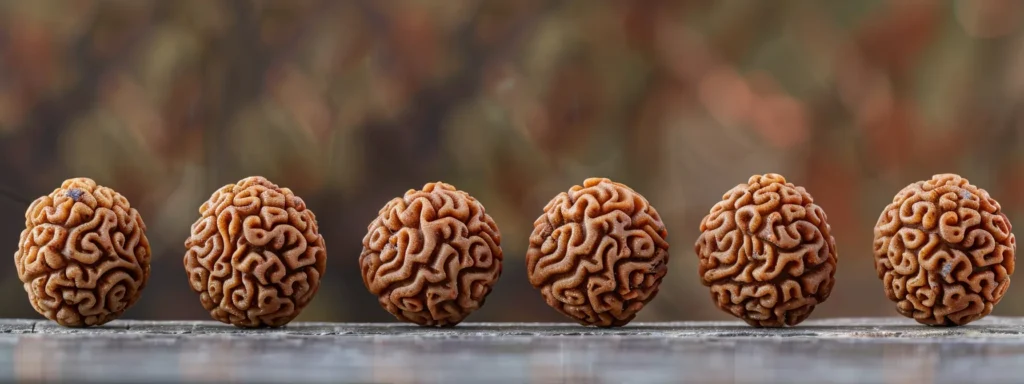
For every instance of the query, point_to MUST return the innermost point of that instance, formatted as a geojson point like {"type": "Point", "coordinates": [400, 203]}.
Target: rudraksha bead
{"type": "Point", "coordinates": [598, 253]}
{"type": "Point", "coordinates": [83, 256]}
{"type": "Point", "coordinates": [767, 253]}
{"type": "Point", "coordinates": [255, 256]}
{"type": "Point", "coordinates": [944, 251]}
{"type": "Point", "coordinates": [432, 256]}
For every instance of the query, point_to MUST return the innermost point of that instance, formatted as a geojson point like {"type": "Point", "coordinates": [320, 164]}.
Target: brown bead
{"type": "Point", "coordinates": [432, 256]}
{"type": "Point", "coordinates": [598, 253]}
{"type": "Point", "coordinates": [944, 251]}
{"type": "Point", "coordinates": [255, 256]}
{"type": "Point", "coordinates": [767, 253]}
{"type": "Point", "coordinates": [83, 256]}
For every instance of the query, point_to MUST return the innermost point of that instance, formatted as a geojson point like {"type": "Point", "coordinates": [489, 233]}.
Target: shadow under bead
{"type": "Point", "coordinates": [767, 253]}
{"type": "Point", "coordinates": [944, 251]}
{"type": "Point", "coordinates": [83, 256]}
{"type": "Point", "coordinates": [432, 256]}
{"type": "Point", "coordinates": [598, 253]}
{"type": "Point", "coordinates": [255, 256]}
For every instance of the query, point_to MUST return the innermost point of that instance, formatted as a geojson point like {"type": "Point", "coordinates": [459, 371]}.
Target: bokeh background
{"type": "Point", "coordinates": [352, 102]}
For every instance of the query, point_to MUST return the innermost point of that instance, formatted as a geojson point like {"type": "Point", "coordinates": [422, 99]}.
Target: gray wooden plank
{"type": "Point", "coordinates": [989, 328]}
{"type": "Point", "coordinates": [831, 350]}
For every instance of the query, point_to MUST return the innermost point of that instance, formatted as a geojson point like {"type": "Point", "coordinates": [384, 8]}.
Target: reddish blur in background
{"type": "Point", "coordinates": [352, 102]}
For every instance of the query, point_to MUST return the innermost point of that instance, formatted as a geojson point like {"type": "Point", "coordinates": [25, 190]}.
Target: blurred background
{"type": "Point", "coordinates": [352, 102]}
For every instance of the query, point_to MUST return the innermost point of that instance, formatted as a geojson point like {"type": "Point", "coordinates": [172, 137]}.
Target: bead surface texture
{"type": "Point", "coordinates": [83, 256]}
{"type": "Point", "coordinates": [255, 256]}
{"type": "Point", "coordinates": [598, 253]}
{"type": "Point", "coordinates": [432, 256]}
{"type": "Point", "coordinates": [767, 253]}
{"type": "Point", "coordinates": [944, 251]}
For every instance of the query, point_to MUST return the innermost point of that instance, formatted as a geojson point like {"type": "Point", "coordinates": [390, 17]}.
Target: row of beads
{"type": "Point", "coordinates": [597, 254]}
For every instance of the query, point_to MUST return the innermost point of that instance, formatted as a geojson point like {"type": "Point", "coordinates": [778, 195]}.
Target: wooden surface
{"type": "Point", "coordinates": [823, 351]}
